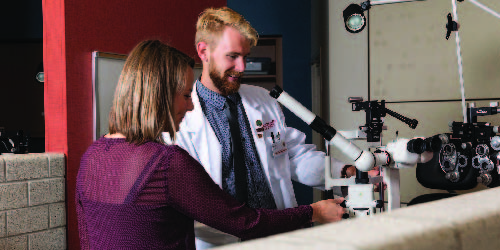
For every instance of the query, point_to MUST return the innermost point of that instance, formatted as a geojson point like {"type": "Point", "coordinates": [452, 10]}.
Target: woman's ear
{"type": "Point", "coordinates": [202, 49]}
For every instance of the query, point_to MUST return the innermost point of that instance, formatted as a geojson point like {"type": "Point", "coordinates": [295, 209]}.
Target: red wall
{"type": "Point", "coordinates": [75, 28]}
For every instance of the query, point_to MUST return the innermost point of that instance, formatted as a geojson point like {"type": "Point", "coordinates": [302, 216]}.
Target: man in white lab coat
{"type": "Point", "coordinates": [274, 154]}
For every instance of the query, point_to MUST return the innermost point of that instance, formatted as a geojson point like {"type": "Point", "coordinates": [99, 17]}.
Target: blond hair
{"type": "Point", "coordinates": [212, 22]}
{"type": "Point", "coordinates": [143, 104]}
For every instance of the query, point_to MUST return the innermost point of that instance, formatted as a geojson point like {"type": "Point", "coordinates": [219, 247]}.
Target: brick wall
{"type": "Point", "coordinates": [32, 196]}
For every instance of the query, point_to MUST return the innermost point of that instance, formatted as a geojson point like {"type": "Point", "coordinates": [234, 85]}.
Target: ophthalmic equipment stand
{"type": "Point", "coordinates": [402, 153]}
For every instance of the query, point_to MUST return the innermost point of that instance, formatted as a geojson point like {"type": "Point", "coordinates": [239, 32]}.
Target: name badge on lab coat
{"type": "Point", "coordinates": [278, 146]}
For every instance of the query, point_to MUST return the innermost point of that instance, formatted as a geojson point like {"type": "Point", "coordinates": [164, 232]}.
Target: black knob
{"type": "Point", "coordinates": [416, 146]}
{"type": "Point", "coordinates": [346, 215]}
{"type": "Point", "coordinates": [342, 204]}
{"type": "Point", "coordinates": [419, 145]}
{"type": "Point", "coordinates": [276, 92]}
{"type": "Point", "coordinates": [450, 26]}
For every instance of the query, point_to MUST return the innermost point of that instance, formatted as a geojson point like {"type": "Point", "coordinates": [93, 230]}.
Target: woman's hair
{"type": "Point", "coordinates": [143, 104]}
{"type": "Point", "coordinates": [211, 24]}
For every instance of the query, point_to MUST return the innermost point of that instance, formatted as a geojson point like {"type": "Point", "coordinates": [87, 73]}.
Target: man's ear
{"type": "Point", "coordinates": [203, 50]}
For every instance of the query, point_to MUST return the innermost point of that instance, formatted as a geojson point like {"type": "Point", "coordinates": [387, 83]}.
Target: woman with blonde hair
{"type": "Point", "coordinates": [135, 192]}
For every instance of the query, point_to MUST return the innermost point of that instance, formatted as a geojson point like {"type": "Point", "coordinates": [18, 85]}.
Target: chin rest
{"type": "Point", "coordinates": [430, 197]}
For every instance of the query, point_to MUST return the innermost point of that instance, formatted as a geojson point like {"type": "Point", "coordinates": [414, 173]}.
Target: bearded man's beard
{"type": "Point", "coordinates": [222, 83]}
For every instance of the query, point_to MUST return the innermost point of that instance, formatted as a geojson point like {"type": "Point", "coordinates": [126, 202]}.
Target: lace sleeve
{"type": "Point", "coordinates": [82, 225]}
{"type": "Point", "coordinates": [190, 190]}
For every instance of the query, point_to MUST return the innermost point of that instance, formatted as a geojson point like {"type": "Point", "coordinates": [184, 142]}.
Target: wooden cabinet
{"type": "Point", "coordinates": [267, 47]}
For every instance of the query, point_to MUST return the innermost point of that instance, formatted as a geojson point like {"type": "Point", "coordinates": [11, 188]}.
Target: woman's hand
{"type": "Point", "coordinates": [327, 211]}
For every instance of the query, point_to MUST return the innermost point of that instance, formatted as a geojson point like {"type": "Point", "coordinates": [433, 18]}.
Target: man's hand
{"type": "Point", "coordinates": [376, 172]}
{"type": "Point", "coordinates": [351, 171]}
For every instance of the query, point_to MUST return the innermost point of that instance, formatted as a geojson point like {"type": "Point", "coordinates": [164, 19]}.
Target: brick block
{"type": "Point", "coordinates": [56, 164]}
{"type": "Point", "coordinates": [26, 166]}
{"type": "Point", "coordinates": [14, 243]}
{"type": "Point", "coordinates": [54, 239]}
{"type": "Point", "coordinates": [57, 213]}
{"type": "Point", "coordinates": [13, 195]}
{"type": "Point", "coordinates": [2, 169]}
{"type": "Point", "coordinates": [3, 225]}
{"type": "Point", "coordinates": [27, 220]}
{"type": "Point", "coordinates": [46, 191]}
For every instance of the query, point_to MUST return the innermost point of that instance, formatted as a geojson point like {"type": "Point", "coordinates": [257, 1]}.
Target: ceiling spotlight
{"type": "Point", "coordinates": [354, 19]}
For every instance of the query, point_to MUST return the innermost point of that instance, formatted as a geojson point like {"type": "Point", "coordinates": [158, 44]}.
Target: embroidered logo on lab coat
{"type": "Point", "coordinates": [266, 126]}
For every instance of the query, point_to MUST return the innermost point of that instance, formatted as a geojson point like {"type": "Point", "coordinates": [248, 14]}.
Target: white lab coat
{"type": "Point", "coordinates": [301, 162]}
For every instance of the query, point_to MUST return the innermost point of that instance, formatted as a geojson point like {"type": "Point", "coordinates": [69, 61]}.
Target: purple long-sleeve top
{"type": "Point", "coordinates": [146, 196]}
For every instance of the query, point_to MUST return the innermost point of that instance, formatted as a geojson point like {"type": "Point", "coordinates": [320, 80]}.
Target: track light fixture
{"type": "Point", "coordinates": [354, 17]}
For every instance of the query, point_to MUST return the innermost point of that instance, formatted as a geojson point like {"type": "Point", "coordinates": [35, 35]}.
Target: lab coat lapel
{"type": "Point", "coordinates": [254, 114]}
{"type": "Point", "coordinates": [204, 140]}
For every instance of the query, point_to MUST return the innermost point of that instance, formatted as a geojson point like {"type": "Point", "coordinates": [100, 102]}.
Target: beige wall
{"type": "Point", "coordinates": [410, 60]}
{"type": "Point", "coordinates": [445, 225]}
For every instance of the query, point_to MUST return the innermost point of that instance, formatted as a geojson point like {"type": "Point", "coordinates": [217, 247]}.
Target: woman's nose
{"type": "Point", "coordinates": [190, 105]}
